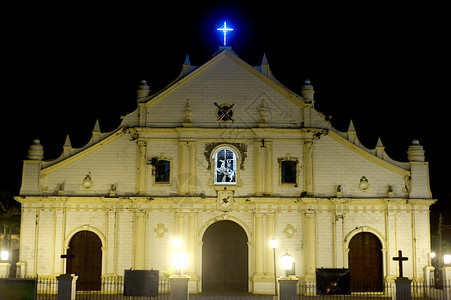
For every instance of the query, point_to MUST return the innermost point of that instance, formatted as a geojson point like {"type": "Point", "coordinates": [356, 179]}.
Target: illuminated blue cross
{"type": "Point", "coordinates": [225, 30]}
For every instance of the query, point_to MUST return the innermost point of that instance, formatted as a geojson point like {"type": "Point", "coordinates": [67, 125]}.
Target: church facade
{"type": "Point", "coordinates": [225, 158]}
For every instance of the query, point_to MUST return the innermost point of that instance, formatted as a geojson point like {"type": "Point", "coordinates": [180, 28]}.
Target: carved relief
{"type": "Point", "coordinates": [289, 231]}
{"type": "Point", "coordinates": [160, 230]}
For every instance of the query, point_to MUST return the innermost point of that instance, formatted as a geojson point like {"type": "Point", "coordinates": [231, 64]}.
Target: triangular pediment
{"type": "Point", "coordinates": [225, 81]}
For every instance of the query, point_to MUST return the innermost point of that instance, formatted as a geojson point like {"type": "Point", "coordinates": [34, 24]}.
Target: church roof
{"type": "Point", "coordinates": [224, 61]}
{"type": "Point", "coordinates": [226, 53]}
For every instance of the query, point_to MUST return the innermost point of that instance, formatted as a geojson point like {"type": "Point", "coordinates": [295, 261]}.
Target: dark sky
{"type": "Point", "coordinates": [383, 65]}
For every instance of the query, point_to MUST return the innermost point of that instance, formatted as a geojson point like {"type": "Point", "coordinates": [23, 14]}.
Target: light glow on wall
{"type": "Point", "coordinates": [4, 255]}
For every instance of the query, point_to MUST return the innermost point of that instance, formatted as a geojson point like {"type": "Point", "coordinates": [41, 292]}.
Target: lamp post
{"type": "Point", "coordinates": [286, 262]}
{"type": "Point", "coordinates": [273, 244]}
{"type": "Point", "coordinates": [179, 259]}
{"type": "Point", "coordinates": [287, 284]}
{"type": "Point", "coordinates": [4, 255]}
{"type": "Point", "coordinates": [447, 259]}
{"type": "Point", "coordinates": [179, 283]}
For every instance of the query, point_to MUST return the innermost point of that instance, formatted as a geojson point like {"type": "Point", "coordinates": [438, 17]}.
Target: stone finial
{"type": "Point", "coordinates": [96, 132]}
{"type": "Point", "coordinates": [187, 122]}
{"type": "Point", "coordinates": [143, 90]}
{"type": "Point", "coordinates": [351, 132]}
{"type": "Point", "coordinates": [186, 66]}
{"type": "Point", "coordinates": [307, 91]}
{"type": "Point", "coordinates": [379, 148]}
{"type": "Point", "coordinates": [263, 115]}
{"type": "Point", "coordinates": [36, 151]}
{"type": "Point", "coordinates": [415, 153]}
{"type": "Point", "coordinates": [67, 147]}
{"type": "Point", "coordinates": [265, 66]}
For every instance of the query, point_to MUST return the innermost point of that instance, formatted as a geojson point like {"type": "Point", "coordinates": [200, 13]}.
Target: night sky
{"type": "Point", "coordinates": [384, 66]}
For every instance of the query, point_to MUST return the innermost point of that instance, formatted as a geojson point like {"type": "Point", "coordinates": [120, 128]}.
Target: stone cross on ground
{"type": "Point", "coordinates": [400, 259]}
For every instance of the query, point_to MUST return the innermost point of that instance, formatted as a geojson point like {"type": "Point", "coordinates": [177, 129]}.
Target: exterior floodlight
{"type": "Point", "coordinates": [180, 261]}
{"type": "Point", "coordinates": [273, 243]}
{"type": "Point", "coordinates": [4, 255]}
{"type": "Point", "coordinates": [432, 254]}
{"type": "Point", "coordinates": [177, 243]}
{"type": "Point", "coordinates": [447, 259]}
{"type": "Point", "coordinates": [286, 262]}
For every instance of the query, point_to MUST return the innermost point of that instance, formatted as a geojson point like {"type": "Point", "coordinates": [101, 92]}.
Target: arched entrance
{"type": "Point", "coordinates": [225, 258]}
{"type": "Point", "coordinates": [365, 263]}
{"type": "Point", "coordinates": [84, 259]}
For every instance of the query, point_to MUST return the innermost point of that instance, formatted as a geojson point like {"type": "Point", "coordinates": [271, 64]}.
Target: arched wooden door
{"type": "Point", "coordinates": [365, 263]}
{"type": "Point", "coordinates": [225, 258]}
{"type": "Point", "coordinates": [85, 260]}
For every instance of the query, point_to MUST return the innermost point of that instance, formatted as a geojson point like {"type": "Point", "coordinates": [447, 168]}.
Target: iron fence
{"type": "Point", "coordinates": [418, 290]}
{"type": "Point", "coordinates": [112, 288]}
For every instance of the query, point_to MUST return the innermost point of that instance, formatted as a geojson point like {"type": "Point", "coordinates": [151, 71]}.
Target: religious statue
{"type": "Point", "coordinates": [226, 171]}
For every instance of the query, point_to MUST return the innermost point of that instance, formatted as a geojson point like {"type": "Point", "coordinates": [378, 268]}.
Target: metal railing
{"type": "Point", "coordinates": [111, 288]}
{"type": "Point", "coordinates": [418, 290]}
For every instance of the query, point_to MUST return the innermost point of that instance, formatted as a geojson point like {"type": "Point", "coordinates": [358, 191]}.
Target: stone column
{"type": "Point", "coordinates": [182, 168]}
{"type": "Point", "coordinates": [140, 241]}
{"type": "Point", "coordinates": [66, 286]}
{"type": "Point", "coordinates": [428, 279]}
{"type": "Point", "coordinates": [258, 244]}
{"type": "Point", "coordinates": [192, 241]}
{"type": "Point", "coordinates": [179, 287]}
{"type": "Point", "coordinates": [287, 288]}
{"type": "Point", "coordinates": [269, 251]}
{"type": "Point", "coordinates": [310, 246]}
{"type": "Point", "coordinates": [308, 166]}
{"type": "Point", "coordinates": [141, 168]}
{"type": "Point", "coordinates": [180, 230]}
{"type": "Point", "coordinates": [338, 241]}
{"type": "Point", "coordinates": [21, 269]}
{"type": "Point", "coordinates": [192, 188]}
{"type": "Point", "coordinates": [111, 240]}
{"type": "Point", "coordinates": [4, 269]}
{"type": "Point", "coordinates": [258, 175]}
{"type": "Point", "coordinates": [268, 169]}
{"type": "Point", "coordinates": [403, 288]}
{"type": "Point", "coordinates": [446, 280]}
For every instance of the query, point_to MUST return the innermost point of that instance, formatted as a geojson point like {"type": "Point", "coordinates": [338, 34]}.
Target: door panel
{"type": "Point", "coordinates": [365, 263]}
{"type": "Point", "coordinates": [85, 260]}
{"type": "Point", "coordinates": [225, 258]}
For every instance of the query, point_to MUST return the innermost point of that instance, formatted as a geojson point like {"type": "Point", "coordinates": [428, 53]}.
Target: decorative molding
{"type": "Point", "coordinates": [241, 147]}
{"type": "Point", "coordinates": [160, 230]}
{"type": "Point", "coordinates": [87, 183]}
{"type": "Point", "coordinates": [364, 185]}
{"type": "Point", "coordinates": [289, 231]}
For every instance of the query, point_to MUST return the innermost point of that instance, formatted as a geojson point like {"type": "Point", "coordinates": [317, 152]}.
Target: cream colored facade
{"type": "Point", "coordinates": [339, 188]}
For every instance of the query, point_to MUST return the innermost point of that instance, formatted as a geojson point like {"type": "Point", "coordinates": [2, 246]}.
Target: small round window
{"type": "Point", "coordinates": [224, 112]}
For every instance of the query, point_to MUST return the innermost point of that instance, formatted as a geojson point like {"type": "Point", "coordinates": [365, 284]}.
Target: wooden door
{"type": "Point", "coordinates": [85, 260]}
{"type": "Point", "coordinates": [365, 263]}
{"type": "Point", "coordinates": [225, 258]}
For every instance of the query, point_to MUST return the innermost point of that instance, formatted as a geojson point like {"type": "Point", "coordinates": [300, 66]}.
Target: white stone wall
{"type": "Point", "coordinates": [334, 164]}
{"type": "Point", "coordinates": [395, 218]}
{"type": "Point", "coordinates": [114, 163]}
{"type": "Point", "coordinates": [224, 83]}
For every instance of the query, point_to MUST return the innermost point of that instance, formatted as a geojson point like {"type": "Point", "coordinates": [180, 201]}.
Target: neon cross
{"type": "Point", "coordinates": [225, 30]}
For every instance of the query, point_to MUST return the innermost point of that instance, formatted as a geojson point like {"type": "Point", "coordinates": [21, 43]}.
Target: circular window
{"type": "Point", "coordinates": [224, 112]}
{"type": "Point", "coordinates": [364, 185]}
{"type": "Point", "coordinates": [87, 183]}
